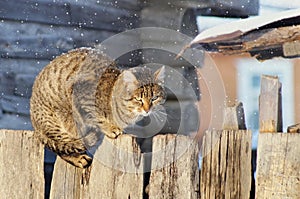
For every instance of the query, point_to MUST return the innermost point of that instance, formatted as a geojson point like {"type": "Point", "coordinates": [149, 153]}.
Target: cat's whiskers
{"type": "Point", "coordinates": [145, 114]}
{"type": "Point", "coordinates": [171, 113]}
{"type": "Point", "coordinates": [159, 116]}
{"type": "Point", "coordinates": [162, 113]}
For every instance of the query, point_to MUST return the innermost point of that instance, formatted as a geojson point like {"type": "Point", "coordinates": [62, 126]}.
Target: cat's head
{"type": "Point", "coordinates": [141, 90]}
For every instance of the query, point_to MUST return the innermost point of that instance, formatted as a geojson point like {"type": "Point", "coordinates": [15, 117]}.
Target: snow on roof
{"type": "Point", "coordinates": [281, 3]}
{"type": "Point", "coordinates": [237, 28]}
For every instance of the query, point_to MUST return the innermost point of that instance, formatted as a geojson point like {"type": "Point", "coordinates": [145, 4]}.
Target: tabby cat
{"type": "Point", "coordinates": [83, 93]}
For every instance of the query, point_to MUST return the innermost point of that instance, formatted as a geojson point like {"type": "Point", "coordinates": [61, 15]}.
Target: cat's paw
{"type": "Point", "coordinates": [81, 160]}
{"type": "Point", "coordinates": [114, 132]}
{"type": "Point", "coordinates": [84, 161]}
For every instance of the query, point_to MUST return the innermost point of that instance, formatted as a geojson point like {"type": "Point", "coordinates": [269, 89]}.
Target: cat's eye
{"type": "Point", "coordinates": [154, 98]}
{"type": "Point", "coordinates": [138, 99]}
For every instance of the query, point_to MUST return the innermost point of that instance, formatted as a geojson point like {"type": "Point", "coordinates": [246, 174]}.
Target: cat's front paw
{"type": "Point", "coordinates": [78, 160]}
{"type": "Point", "coordinates": [114, 132]}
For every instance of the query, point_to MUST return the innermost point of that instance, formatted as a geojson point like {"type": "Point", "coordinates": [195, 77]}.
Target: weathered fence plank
{"type": "Point", "coordinates": [278, 166]}
{"type": "Point", "coordinates": [120, 164]}
{"type": "Point", "coordinates": [234, 118]}
{"type": "Point", "coordinates": [21, 165]}
{"type": "Point", "coordinates": [66, 181]}
{"type": "Point", "coordinates": [116, 172]}
{"type": "Point", "coordinates": [174, 168]}
{"type": "Point", "coordinates": [270, 105]}
{"type": "Point", "coordinates": [226, 164]}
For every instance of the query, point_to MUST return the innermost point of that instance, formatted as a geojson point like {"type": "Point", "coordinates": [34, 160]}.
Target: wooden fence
{"type": "Point", "coordinates": [225, 167]}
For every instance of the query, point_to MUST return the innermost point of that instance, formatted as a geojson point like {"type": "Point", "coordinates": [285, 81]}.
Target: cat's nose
{"type": "Point", "coordinates": [146, 107]}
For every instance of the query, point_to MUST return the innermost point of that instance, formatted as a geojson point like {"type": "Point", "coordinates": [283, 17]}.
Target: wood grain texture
{"type": "Point", "coordinates": [226, 165]}
{"type": "Point", "coordinates": [174, 172]}
{"type": "Point", "coordinates": [266, 38]}
{"type": "Point", "coordinates": [294, 128]}
{"type": "Point", "coordinates": [85, 14]}
{"type": "Point", "coordinates": [21, 165]}
{"type": "Point", "coordinates": [15, 104]}
{"type": "Point", "coordinates": [234, 118]}
{"type": "Point", "coordinates": [270, 105]}
{"type": "Point", "coordinates": [278, 166]}
{"type": "Point", "coordinates": [116, 172]}
{"type": "Point", "coordinates": [16, 34]}
{"type": "Point", "coordinates": [67, 181]}
{"type": "Point", "coordinates": [39, 47]}
{"type": "Point", "coordinates": [263, 44]}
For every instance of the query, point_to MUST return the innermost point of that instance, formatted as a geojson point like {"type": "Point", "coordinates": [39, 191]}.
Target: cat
{"type": "Point", "coordinates": [83, 93]}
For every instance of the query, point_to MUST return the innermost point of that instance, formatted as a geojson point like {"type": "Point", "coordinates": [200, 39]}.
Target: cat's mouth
{"type": "Point", "coordinates": [145, 113]}
{"type": "Point", "coordinates": [142, 114]}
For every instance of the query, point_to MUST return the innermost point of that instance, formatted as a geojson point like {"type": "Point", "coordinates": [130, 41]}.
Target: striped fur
{"type": "Point", "coordinates": [82, 94]}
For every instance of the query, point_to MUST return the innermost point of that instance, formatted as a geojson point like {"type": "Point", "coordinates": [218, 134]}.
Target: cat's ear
{"type": "Point", "coordinates": [159, 75]}
{"type": "Point", "coordinates": [129, 79]}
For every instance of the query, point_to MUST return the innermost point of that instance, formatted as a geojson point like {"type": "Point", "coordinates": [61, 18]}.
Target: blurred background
{"type": "Point", "coordinates": [34, 32]}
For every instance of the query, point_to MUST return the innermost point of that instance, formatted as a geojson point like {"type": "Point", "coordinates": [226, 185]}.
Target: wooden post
{"type": "Point", "coordinates": [226, 158]}
{"type": "Point", "coordinates": [234, 118]}
{"type": "Point", "coordinates": [175, 172]}
{"type": "Point", "coordinates": [278, 166]}
{"type": "Point", "coordinates": [226, 164]}
{"type": "Point", "coordinates": [21, 165]}
{"type": "Point", "coordinates": [66, 181]}
{"type": "Point", "coordinates": [116, 172]}
{"type": "Point", "coordinates": [270, 107]}
{"type": "Point", "coordinates": [278, 160]}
